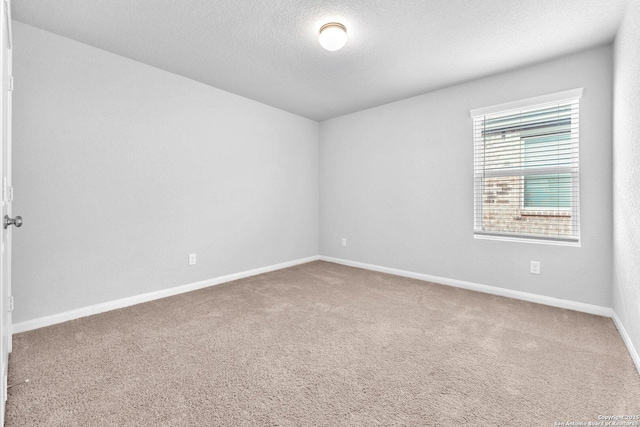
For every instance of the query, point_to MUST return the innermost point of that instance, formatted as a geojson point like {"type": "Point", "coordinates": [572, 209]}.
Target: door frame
{"type": "Point", "coordinates": [6, 300]}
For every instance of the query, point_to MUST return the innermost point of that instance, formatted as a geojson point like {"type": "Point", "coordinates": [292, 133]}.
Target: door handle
{"type": "Point", "coordinates": [17, 221]}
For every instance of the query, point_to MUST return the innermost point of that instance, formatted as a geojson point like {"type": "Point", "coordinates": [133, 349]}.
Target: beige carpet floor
{"type": "Point", "coordinates": [322, 344]}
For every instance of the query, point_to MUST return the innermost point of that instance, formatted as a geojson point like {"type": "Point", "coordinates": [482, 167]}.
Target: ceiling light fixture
{"type": "Point", "coordinates": [333, 36]}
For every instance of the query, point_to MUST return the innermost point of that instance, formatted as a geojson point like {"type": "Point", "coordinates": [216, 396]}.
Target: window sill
{"type": "Point", "coordinates": [527, 240]}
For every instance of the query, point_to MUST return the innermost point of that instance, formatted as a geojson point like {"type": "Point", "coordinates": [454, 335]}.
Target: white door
{"type": "Point", "coordinates": [6, 302]}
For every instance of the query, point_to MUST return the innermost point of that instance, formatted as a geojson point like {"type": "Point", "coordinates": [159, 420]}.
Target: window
{"type": "Point", "coordinates": [526, 169]}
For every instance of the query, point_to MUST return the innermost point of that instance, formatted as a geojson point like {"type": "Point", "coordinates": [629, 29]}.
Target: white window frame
{"type": "Point", "coordinates": [539, 101]}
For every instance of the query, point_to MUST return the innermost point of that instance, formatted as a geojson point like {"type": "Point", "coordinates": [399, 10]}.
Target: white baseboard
{"type": "Point", "coordinates": [525, 296]}
{"type": "Point", "coordinates": [627, 340]}
{"type": "Point", "coordinates": [41, 322]}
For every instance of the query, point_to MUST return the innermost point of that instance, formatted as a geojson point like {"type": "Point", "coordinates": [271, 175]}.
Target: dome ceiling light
{"type": "Point", "coordinates": [333, 36]}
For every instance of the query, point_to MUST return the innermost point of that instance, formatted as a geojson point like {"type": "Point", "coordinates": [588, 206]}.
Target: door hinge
{"type": "Point", "coordinates": [11, 83]}
{"type": "Point", "coordinates": [11, 303]}
{"type": "Point", "coordinates": [7, 192]}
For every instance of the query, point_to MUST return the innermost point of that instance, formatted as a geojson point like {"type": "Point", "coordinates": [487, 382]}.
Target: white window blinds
{"type": "Point", "coordinates": [526, 169]}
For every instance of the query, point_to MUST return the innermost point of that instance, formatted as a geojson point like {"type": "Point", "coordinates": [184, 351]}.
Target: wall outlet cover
{"type": "Point", "coordinates": [535, 267]}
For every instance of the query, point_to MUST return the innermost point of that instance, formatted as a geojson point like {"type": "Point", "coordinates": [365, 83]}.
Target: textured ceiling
{"type": "Point", "coordinates": [268, 50]}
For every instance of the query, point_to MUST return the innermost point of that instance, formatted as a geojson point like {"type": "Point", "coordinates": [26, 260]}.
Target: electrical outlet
{"type": "Point", "coordinates": [535, 267]}
{"type": "Point", "coordinates": [344, 242]}
{"type": "Point", "coordinates": [192, 259]}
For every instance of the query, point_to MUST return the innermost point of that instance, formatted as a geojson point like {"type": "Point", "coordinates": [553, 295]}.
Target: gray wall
{"type": "Point", "coordinates": [626, 176]}
{"type": "Point", "coordinates": [121, 170]}
{"type": "Point", "coordinates": [397, 182]}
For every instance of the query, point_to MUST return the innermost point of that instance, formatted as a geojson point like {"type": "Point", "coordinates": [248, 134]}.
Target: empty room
{"type": "Point", "coordinates": [337, 213]}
